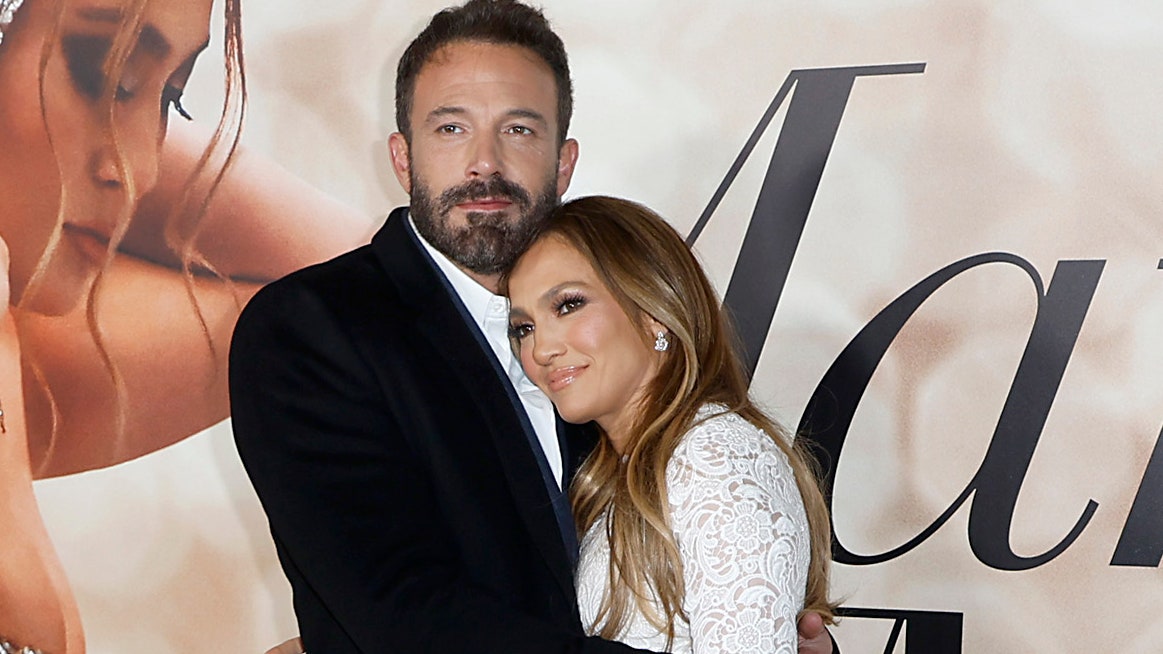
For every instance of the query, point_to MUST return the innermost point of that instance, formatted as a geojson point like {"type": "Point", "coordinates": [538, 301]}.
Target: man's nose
{"type": "Point", "coordinates": [485, 157]}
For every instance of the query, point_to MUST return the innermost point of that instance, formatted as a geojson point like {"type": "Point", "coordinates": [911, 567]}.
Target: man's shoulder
{"type": "Point", "coordinates": [351, 273]}
{"type": "Point", "coordinates": [356, 270]}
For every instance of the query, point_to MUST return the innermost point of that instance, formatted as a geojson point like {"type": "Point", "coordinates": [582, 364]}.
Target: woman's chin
{"type": "Point", "coordinates": [65, 281]}
{"type": "Point", "coordinates": [50, 301]}
{"type": "Point", "coordinates": [59, 290]}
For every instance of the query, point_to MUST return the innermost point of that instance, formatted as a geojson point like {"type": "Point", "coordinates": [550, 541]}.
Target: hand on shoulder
{"type": "Point", "coordinates": [813, 637]}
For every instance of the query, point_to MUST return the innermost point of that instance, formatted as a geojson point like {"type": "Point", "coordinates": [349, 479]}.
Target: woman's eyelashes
{"type": "Point", "coordinates": [172, 97]}
{"type": "Point", "coordinates": [85, 56]}
{"type": "Point", "coordinates": [518, 331]}
{"type": "Point", "coordinates": [564, 305]}
{"type": "Point", "coordinates": [568, 303]}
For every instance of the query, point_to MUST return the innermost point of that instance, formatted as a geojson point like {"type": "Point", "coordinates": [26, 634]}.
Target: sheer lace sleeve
{"type": "Point", "coordinates": [743, 537]}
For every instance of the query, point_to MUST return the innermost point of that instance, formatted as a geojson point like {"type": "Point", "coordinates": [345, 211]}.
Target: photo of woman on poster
{"type": "Point", "coordinates": [129, 245]}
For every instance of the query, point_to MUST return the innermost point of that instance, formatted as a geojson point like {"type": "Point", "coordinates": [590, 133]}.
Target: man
{"type": "Point", "coordinates": [411, 474]}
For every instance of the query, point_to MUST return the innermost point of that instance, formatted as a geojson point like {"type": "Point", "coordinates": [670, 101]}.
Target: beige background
{"type": "Point", "coordinates": [1035, 130]}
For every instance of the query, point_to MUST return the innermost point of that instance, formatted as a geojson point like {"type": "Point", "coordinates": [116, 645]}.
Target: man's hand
{"type": "Point", "coordinates": [295, 646]}
{"type": "Point", "coordinates": [814, 639]}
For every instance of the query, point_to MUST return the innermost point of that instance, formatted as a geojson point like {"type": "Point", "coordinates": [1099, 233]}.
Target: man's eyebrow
{"type": "Point", "coordinates": [151, 40]}
{"type": "Point", "coordinates": [440, 112]}
{"type": "Point", "coordinates": [455, 110]}
{"type": "Point", "coordinates": [527, 113]}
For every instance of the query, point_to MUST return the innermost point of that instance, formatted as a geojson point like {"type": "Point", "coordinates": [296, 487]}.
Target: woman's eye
{"type": "Point", "coordinates": [518, 332]}
{"type": "Point", "coordinates": [569, 305]}
{"type": "Point", "coordinates": [85, 61]}
{"type": "Point", "coordinates": [172, 97]}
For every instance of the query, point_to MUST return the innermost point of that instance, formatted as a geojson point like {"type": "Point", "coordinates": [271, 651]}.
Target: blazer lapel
{"type": "Point", "coordinates": [440, 319]}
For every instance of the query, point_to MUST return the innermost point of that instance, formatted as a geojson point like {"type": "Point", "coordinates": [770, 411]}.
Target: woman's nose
{"type": "Point", "coordinates": [133, 158]}
{"type": "Point", "coordinates": [546, 347]}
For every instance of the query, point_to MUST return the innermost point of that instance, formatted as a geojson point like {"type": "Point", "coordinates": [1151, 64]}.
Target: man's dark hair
{"type": "Point", "coordinates": [502, 22]}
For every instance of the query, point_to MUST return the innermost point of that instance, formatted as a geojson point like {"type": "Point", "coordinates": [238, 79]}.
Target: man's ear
{"type": "Point", "coordinates": [401, 160]}
{"type": "Point", "coordinates": [566, 160]}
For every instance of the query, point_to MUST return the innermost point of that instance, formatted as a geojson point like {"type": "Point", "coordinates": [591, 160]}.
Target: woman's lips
{"type": "Point", "coordinates": [562, 377]}
{"type": "Point", "coordinates": [94, 245]}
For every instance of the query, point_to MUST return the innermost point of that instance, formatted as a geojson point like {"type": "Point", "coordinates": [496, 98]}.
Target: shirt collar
{"type": "Point", "coordinates": [476, 298]}
{"type": "Point", "coordinates": [490, 312]}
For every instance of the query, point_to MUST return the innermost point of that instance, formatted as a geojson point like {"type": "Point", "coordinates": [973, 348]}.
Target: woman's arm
{"type": "Point", "coordinates": [261, 224]}
{"type": "Point", "coordinates": [262, 221]}
{"type": "Point", "coordinates": [743, 538]}
{"type": "Point", "coordinates": [172, 368]}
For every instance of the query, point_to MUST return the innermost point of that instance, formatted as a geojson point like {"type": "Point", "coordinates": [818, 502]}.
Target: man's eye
{"type": "Point", "coordinates": [520, 129]}
{"type": "Point", "coordinates": [449, 129]}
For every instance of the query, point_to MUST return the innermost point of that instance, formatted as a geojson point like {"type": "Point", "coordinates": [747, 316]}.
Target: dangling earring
{"type": "Point", "coordinates": [661, 343]}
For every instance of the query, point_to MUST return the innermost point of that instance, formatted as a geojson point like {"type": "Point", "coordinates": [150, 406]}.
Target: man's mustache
{"type": "Point", "coordinates": [497, 188]}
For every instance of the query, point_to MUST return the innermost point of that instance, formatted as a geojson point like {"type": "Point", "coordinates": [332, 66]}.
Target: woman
{"type": "Point", "coordinates": [130, 250]}
{"type": "Point", "coordinates": [703, 528]}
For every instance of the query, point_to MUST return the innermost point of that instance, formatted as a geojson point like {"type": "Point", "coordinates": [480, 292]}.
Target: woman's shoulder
{"type": "Point", "coordinates": [723, 442]}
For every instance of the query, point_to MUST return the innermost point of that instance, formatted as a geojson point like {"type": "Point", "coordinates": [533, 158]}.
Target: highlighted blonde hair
{"type": "Point", "coordinates": [651, 272]}
{"type": "Point", "coordinates": [182, 224]}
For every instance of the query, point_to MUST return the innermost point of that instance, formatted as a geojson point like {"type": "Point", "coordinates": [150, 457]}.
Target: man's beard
{"type": "Point", "coordinates": [491, 241]}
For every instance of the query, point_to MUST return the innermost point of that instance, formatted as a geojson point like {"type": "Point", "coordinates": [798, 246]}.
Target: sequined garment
{"type": "Point", "coordinates": [7, 13]}
{"type": "Point", "coordinates": [5, 646]}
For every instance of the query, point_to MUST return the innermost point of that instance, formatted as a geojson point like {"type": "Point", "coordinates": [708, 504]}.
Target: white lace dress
{"type": "Point", "coordinates": [743, 536]}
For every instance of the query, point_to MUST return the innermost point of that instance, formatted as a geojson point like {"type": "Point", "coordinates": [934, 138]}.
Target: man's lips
{"type": "Point", "coordinates": [486, 204]}
{"type": "Point", "coordinates": [562, 377]}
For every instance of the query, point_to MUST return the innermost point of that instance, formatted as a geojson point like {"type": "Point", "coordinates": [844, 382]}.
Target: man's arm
{"type": "Point", "coordinates": [350, 507]}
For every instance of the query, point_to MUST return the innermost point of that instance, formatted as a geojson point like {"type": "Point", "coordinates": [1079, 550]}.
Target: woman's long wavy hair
{"type": "Point", "coordinates": [651, 272]}
{"type": "Point", "coordinates": [182, 225]}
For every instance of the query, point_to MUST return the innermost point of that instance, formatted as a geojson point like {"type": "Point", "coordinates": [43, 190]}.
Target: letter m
{"type": "Point", "coordinates": [786, 196]}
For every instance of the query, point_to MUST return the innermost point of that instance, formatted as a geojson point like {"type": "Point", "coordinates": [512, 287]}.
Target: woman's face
{"type": "Point", "coordinates": [82, 177]}
{"type": "Point", "coordinates": [576, 342]}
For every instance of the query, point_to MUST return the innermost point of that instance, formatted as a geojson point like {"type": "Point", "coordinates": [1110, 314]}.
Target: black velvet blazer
{"type": "Point", "coordinates": [405, 502]}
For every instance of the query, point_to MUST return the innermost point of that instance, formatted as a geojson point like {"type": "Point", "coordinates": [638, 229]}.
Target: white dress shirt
{"type": "Point", "coordinates": [490, 314]}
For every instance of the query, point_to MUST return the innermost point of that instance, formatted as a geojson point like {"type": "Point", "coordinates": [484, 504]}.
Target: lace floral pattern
{"type": "Point", "coordinates": [743, 537]}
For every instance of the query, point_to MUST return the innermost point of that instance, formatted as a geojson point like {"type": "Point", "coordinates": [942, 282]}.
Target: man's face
{"type": "Point", "coordinates": [483, 167]}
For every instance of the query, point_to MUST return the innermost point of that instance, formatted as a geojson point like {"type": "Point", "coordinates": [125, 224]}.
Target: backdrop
{"type": "Point", "coordinates": [947, 273]}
